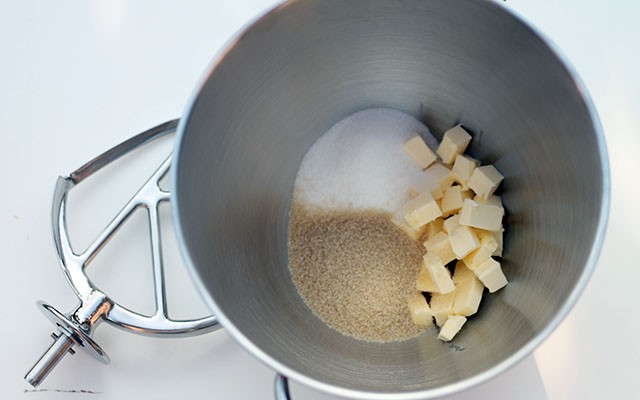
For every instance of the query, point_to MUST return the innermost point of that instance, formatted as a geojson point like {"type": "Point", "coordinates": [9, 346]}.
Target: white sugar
{"type": "Point", "coordinates": [361, 163]}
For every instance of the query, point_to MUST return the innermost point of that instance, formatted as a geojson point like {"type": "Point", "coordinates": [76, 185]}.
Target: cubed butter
{"type": "Point", "coordinates": [468, 296]}
{"type": "Point", "coordinates": [482, 216]}
{"type": "Point", "coordinates": [453, 198]}
{"type": "Point", "coordinates": [424, 283]}
{"type": "Point", "coordinates": [454, 142]}
{"type": "Point", "coordinates": [439, 273]}
{"type": "Point", "coordinates": [439, 244]}
{"type": "Point", "coordinates": [497, 236]}
{"type": "Point", "coordinates": [463, 167]}
{"type": "Point", "coordinates": [435, 190]}
{"type": "Point", "coordinates": [491, 275]}
{"type": "Point", "coordinates": [434, 227]}
{"type": "Point", "coordinates": [439, 174]}
{"type": "Point", "coordinates": [451, 327]}
{"type": "Point", "coordinates": [485, 180]}
{"type": "Point", "coordinates": [451, 223]}
{"type": "Point", "coordinates": [441, 306]}
{"type": "Point", "coordinates": [421, 210]}
{"type": "Point", "coordinates": [400, 222]}
{"type": "Point", "coordinates": [420, 311]}
{"type": "Point", "coordinates": [462, 273]}
{"type": "Point", "coordinates": [488, 246]}
{"type": "Point", "coordinates": [420, 152]}
{"type": "Point", "coordinates": [492, 200]}
{"type": "Point", "coordinates": [463, 241]}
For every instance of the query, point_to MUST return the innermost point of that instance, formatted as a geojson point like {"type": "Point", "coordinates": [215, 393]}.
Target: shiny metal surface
{"type": "Point", "coordinates": [70, 333]}
{"type": "Point", "coordinates": [95, 305]}
{"type": "Point", "coordinates": [308, 64]}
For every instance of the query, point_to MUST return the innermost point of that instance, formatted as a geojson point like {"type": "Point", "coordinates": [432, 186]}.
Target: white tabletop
{"type": "Point", "coordinates": [79, 77]}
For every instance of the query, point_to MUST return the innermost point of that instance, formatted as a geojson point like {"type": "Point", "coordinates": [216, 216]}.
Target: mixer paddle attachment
{"type": "Point", "coordinates": [75, 329]}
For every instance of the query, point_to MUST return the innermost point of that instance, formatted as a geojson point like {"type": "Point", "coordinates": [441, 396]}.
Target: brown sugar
{"type": "Point", "coordinates": [354, 269]}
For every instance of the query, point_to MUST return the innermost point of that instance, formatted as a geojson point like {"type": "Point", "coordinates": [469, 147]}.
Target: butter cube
{"type": "Point", "coordinates": [497, 236]}
{"type": "Point", "coordinates": [434, 227]}
{"type": "Point", "coordinates": [420, 311]}
{"type": "Point", "coordinates": [485, 180]}
{"type": "Point", "coordinates": [462, 273]}
{"type": "Point", "coordinates": [424, 283]}
{"type": "Point", "coordinates": [488, 246]}
{"type": "Point", "coordinates": [435, 180]}
{"type": "Point", "coordinates": [439, 244]}
{"type": "Point", "coordinates": [439, 273]}
{"type": "Point", "coordinates": [479, 215]}
{"type": "Point", "coordinates": [468, 296]}
{"type": "Point", "coordinates": [463, 167]}
{"type": "Point", "coordinates": [491, 275]}
{"type": "Point", "coordinates": [420, 152]}
{"type": "Point", "coordinates": [454, 142]}
{"type": "Point", "coordinates": [421, 210]}
{"type": "Point", "coordinates": [437, 192]}
{"type": "Point", "coordinates": [441, 306]}
{"type": "Point", "coordinates": [439, 174]}
{"type": "Point", "coordinates": [400, 222]}
{"type": "Point", "coordinates": [463, 241]}
{"type": "Point", "coordinates": [451, 223]}
{"type": "Point", "coordinates": [451, 327]}
{"type": "Point", "coordinates": [491, 200]}
{"type": "Point", "coordinates": [453, 198]}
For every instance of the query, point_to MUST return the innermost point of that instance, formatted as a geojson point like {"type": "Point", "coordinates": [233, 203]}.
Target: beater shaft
{"type": "Point", "coordinates": [62, 345]}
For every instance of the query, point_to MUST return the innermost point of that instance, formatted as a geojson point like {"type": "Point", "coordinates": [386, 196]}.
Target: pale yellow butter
{"type": "Point", "coordinates": [488, 246]}
{"type": "Point", "coordinates": [485, 180]}
{"type": "Point", "coordinates": [424, 283]}
{"type": "Point", "coordinates": [462, 169]}
{"type": "Point", "coordinates": [491, 275]}
{"type": "Point", "coordinates": [400, 222]}
{"type": "Point", "coordinates": [435, 190]}
{"type": "Point", "coordinates": [482, 216]}
{"type": "Point", "coordinates": [451, 223]}
{"type": "Point", "coordinates": [463, 241]}
{"type": "Point", "coordinates": [453, 199]}
{"type": "Point", "coordinates": [439, 273]}
{"type": "Point", "coordinates": [440, 174]}
{"type": "Point", "coordinates": [420, 152]}
{"type": "Point", "coordinates": [434, 227]}
{"type": "Point", "coordinates": [420, 312]}
{"type": "Point", "coordinates": [462, 273]}
{"type": "Point", "coordinates": [439, 244]}
{"type": "Point", "coordinates": [468, 296]}
{"type": "Point", "coordinates": [421, 210]}
{"type": "Point", "coordinates": [497, 236]}
{"type": "Point", "coordinates": [454, 142]}
{"type": "Point", "coordinates": [441, 306]}
{"type": "Point", "coordinates": [451, 328]}
{"type": "Point", "coordinates": [492, 200]}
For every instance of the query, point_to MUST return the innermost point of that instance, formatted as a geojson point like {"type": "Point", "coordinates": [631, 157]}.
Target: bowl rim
{"type": "Point", "coordinates": [454, 387]}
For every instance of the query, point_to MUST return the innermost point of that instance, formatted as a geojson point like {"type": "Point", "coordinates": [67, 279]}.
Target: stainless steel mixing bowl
{"type": "Point", "coordinates": [307, 64]}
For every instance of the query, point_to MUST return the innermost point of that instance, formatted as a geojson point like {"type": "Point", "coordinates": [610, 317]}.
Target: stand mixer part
{"type": "Point", "coordinates": [76, 328]}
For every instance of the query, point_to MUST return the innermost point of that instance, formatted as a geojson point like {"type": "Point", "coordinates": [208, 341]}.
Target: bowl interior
{"type": "Point", "coordinates": [308, 64]}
